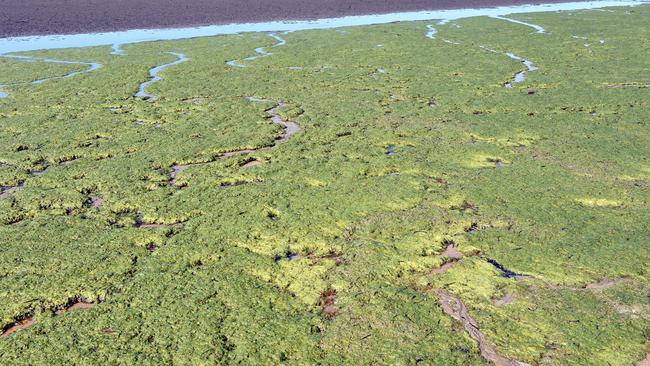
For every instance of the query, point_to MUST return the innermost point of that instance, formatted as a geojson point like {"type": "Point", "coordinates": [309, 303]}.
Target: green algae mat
{"type": "Point", "coordinates": [367, 195]}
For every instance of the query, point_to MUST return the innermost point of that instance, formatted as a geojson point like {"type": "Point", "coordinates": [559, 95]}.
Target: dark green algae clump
{"type": "Point", "coordinates": [365, 236]}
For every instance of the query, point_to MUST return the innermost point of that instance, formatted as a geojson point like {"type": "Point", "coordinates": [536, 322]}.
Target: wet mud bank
{"type": "Point", "coordinates": [452, 257]}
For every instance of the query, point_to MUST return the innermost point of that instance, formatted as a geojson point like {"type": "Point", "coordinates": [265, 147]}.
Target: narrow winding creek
{"type": "Point", "coordinates": [432, 31]}
{"type": "Point", "coordinates": [520, 76]}
{"type": "Point", "coordinates": [538, 29]}
{"type": "Point", "coordinates": [260, 52]}
{"type": "Point", "coordinates": [92, 66]}
{"type": "Point", "coordinates": [153, 73]}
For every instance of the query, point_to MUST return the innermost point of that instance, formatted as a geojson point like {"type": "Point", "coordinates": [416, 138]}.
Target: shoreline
{"type": "Point", "coordinates": [42, 42]}
{"type": "Point", "coordinates": [35, 17]}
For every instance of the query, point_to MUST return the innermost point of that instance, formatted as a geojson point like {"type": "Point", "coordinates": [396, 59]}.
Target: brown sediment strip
{"type": "Point", "coordinates": [75, 304]}
{"type": "Point", "coordinates": [290, 129]}
{"type": "Point", "coordinates": [19, 325]}
{"type": "Point", "coordinates": [27, 321]}
{"type": "Point", "coordinates": [455, 308]}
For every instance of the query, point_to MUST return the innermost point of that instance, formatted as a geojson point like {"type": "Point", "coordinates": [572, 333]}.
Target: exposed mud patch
{"type": "Point", "coordinates": [444, 268]}
{"type": "Point", "coordinates": [328, 303]}
{"type": "Point", "coordinates": [96, 201]}
{"type": "Point", "coordinates": [9, 190]}
{"type": "Point", "coordinates": [454, 256]}
{"type": "Point", "coordinates": [455, 308]}
{"type": "Point", "coordinates": [452, 252]}
{"type": "Point", "coordinates": [175, 170]}
{"type": "Point", "coordinates": [251, 164]}
{"type": "Point", "coordinates": [505, 300]}
{"type": "Point", "coordinates": [645, 361]}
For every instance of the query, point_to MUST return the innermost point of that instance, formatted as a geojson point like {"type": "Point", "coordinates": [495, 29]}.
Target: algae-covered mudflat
{"type": "Point", "coordinates": [464, 192]}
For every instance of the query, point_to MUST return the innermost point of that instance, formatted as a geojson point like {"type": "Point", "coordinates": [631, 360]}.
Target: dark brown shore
{"type": "Point", "coordinates": [38, 17]}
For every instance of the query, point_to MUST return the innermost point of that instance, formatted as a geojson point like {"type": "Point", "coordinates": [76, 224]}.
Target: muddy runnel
{"type": "Point", "coordinates": [454, 307]}
{"type": "Point", "coordinates": [260, 52]}
{"type": "Point", "coordinates": [27, 320]}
